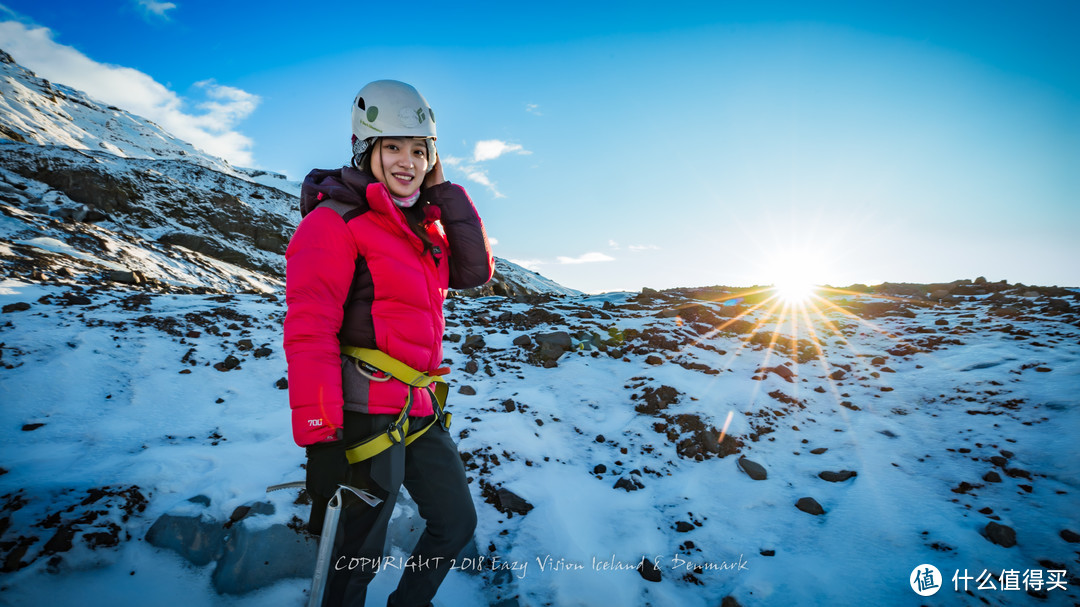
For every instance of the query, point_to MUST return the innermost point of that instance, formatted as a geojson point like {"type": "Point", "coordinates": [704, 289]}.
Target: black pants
{"type": "Point", "coordinates": [431, 469]}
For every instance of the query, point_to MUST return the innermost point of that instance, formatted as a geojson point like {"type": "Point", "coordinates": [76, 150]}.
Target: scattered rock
{"type": "Point", "coordinates": [19, 306]}
{"type": "Point", "coordinates": [523, 341]}
{"type": "Point", "coordinates": [649, 571]}
{"type": "Point", "coordinates": [684, 527]}
{"type": "Point", "coordinates": [32, 427]}
{"type": "Point", "coordinates": [1070, 536]}
{"type": "Point", "coordinates": [781, 371]}
{"type": "Point", "coordinates": [837, 477]}
{"type": "Point", "coordinates": [992, 477]}
{"type": "Point", "coordinates": [230, 363]}
{"type": "Point", "coordinates": [467, 391]}
{"type": "Point", "coordinates": [628, 484]}
{"type": "Point", "coordinates": [752, 469]}
{"type": "Point", "coordinates": [508, 501]}
{"type": "Point", "coordinates": [552, 346]}
{"type": "Point", "coordinates": [809, 505]}
{"type": "Point", "coordinates": [472, 344]}
{"type": "Point", "coordinates": [1002, 535]}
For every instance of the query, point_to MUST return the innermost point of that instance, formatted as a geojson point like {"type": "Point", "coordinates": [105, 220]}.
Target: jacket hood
{"type": "Point", "coordinates": [346, 185]}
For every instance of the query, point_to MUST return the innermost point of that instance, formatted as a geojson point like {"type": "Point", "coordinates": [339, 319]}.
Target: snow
{"type": "Point", "coordinates": [105, 381]}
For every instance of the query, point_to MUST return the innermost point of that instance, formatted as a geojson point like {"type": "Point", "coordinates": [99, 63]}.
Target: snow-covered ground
{"type": "Point", "coordinates": [114, 404]}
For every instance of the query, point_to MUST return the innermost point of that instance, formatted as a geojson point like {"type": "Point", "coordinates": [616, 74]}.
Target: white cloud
{"type": "Point", "coordinates": [210, 129]}
{"type": "Point", "coordinates": [533, 109]}
{"type": "Point", "coordinates": [158, 9]}
{"type": "Point", "coordinates": [483, 151]}
{"type": "Point", "coordinates": [478, 175]}
{"type": "Point", "coordinates": [593, 257]}
{"type": "Point", "coordinates": [528, 264]}
{"type": "Point", "coordinates": [493, 148]}
{"type": "Point", "coordinates": [493, 241]}
{"type": "Point", "coordinates": [643, 247]}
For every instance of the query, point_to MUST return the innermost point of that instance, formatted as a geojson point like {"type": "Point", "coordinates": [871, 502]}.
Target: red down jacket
{"type": "Point", "coordinates": [357, 275]}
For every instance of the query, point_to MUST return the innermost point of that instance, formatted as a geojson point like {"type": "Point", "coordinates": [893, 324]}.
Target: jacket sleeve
{"type": "Point", "coordinates": [471, 263]}
{"type": "Point", "coordinates": [319, 264]}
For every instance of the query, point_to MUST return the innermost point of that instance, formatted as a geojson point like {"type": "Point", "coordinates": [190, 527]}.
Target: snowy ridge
{"type": "Point", "coordinates": [34, 110]}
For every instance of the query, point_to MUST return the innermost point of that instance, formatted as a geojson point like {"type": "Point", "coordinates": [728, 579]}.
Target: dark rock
{"type": "Point", "coordinates": [523, 341]}
{"type": "Point", "coordinates": [467, 390]}
{"type": "Point", "coordinates": [31, 427]}
{"type": "Point", "coordinates": [599, 469]}
{"type": "Point", "coordinates": [753, 469]}
{"type": "Point", "coordinates": [282, 384]}
{"type": "Point", "coordinates": [654, 360]}
{"type": "Point", "coordinates": [553, 346]}
{"type": "Point", "coordinates": [1002, 535]}
{"type": "Point", "coordinates": [230, 363]}
{"type": "Point", "coordinates": [263, 352]}
{"type": "Point", "coordinates": [256, 558]}
{"type": "Point", "coordinates": [628, 484]}
{"type": "Point", "coordinates": [196, 537]}
{"type": "Point", "coordinates": [559, 339]}
{"type": "Point", "coordinates": [819, 450]}
{"type": "Point", "coordinates": [809, 505]}
{"type": "Point", "coordinates": [509, 405]}
{"type": "Point", "coordinates": [508, 501]}
{"type": "Point", "coordinates": [19, 306]}
{"type": "Point", "coordinates": [244, 345]}
{"type": "Point", "coordinates": [657, 399]}
{"type": "Point", "coordinates": [837, 477]}
{"type": "Point", "coordinates": [472, 344]}
{"type": "Point", "coordinates": [780, 370]}
{"type": "Point", "coordinates": [729, 601]}
{"type": "Point", "coordinates": [992, 477]}
{"type": "Point", "coordinates": [1070, 536]}
{"type": "Point", "coordinates": [684, 527]}
{"type": "Point", "coordinates": [649, 571]}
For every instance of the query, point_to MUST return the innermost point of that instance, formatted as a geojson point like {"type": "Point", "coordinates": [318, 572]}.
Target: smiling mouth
{"type": "Point", "coordinates": [403, 177]}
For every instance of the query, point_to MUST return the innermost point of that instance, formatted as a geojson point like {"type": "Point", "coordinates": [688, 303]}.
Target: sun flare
{"type": "Point", "coordinates": [795, 291]}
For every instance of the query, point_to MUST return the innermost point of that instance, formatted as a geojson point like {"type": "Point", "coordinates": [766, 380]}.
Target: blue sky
{"type": "Point", "coordinates": [619, 146]}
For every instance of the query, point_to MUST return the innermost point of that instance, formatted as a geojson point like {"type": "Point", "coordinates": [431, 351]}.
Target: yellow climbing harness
{"type": "Point", "coordinates": [379, 366]}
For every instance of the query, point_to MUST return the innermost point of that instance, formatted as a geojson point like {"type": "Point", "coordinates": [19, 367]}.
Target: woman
{"type": "Point", "coordinates": [368, 269]}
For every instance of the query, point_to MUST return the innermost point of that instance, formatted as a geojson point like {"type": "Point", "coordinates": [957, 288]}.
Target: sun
{"type": "Point", "coordinates": [794, 291]}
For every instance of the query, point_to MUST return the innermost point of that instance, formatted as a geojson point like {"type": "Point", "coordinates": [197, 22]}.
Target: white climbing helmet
{"type": "Point", "coordinates": [388, 108]}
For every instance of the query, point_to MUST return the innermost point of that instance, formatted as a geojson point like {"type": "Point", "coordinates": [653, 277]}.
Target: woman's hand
{"type": "Point", "coordinates": [435, 175]}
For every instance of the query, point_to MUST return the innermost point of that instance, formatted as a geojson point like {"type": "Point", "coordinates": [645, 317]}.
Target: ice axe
{"type": "Point", "coordinates": [326, 538]}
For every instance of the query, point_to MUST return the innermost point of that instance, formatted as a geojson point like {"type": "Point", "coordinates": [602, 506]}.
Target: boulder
{"type": "Point", "coordinates": [837, 477]}
{"type": "Point", "coordinates": [809, 505]}
{"type": "Point", "coordinates": [1002, 535]}
{"type": "Point", "coordinates": [191, 533]}
{"type": "Point", "coordinates": [255, 557]}
{"type": "Point", "coordinates": [753, 469]}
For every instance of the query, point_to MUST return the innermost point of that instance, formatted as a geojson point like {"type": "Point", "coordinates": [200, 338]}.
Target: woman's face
{"type": "Point", "coordinates": [401, 163]}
